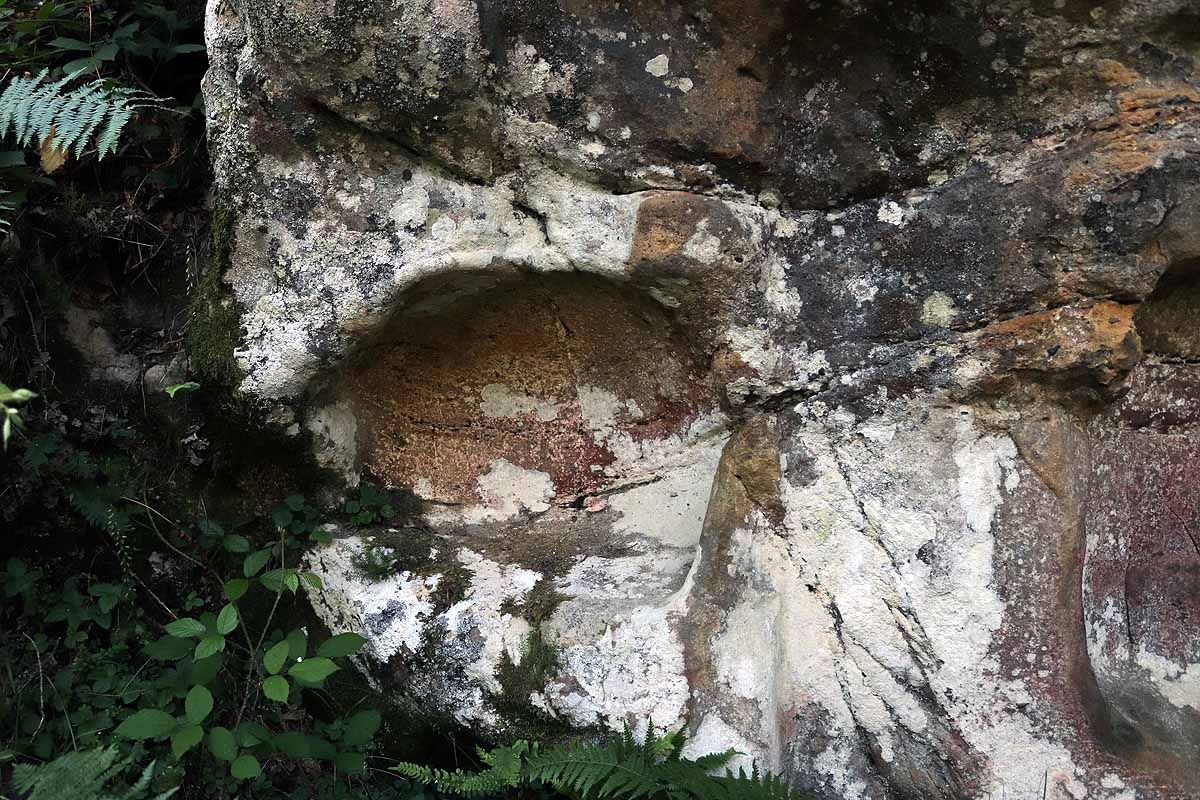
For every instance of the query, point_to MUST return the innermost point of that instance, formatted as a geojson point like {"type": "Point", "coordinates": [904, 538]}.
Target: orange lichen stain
{"type": "Point", "coordinates": [1099, 339]}
{"type": "Point", "coordinates": [1133, 137]}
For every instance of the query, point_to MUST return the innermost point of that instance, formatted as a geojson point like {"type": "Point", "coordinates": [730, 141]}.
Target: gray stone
{"type": "Point", "coordinates": [798, 372]}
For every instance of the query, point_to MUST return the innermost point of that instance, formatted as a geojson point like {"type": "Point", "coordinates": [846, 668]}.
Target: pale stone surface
{"type": "Point", "coordinates": [796, 383]}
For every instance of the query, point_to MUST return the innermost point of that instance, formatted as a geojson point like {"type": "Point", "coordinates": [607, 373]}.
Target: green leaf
{"type": "Point", "coordinates": [190, 386]}
{"type": "Point", "coordinates": [361, 728]}
{"type": "Point", "coordinates": [227, 620]}
{"type": "Point", "coordinates": [292, 744]}
{"type": "Point", "coordinates": [294, 501]}
{"type": "Point", "coordinates": [312, 579]}
{"type": "Point", "coordinates": [273, 580]}
{"type": "Point", "coordinates": [344, 644]}
{"type": "Point", "coordinates": [235, 588]}
{"type": "Point", "coordinates": [197, 704]}
{"type": "Point", "coordinates": [255, 562]}
{"type": "Point", "coordinates": [185, 739]}
{"type": "Point", "coordinates": [276, 688]}
{"type": "Point", "coordinates": [252, 733]}
{"type": "Point", "coordinates": [221, 744]}
{"type": "Point", "coordinates": [236, 543]}
{"type": "Point", "coordinates": [186, 628]}
{"type": "Point", "coordinates": [168, 648]}
{"type": "Point", "coordinates": [245, 767]}
{"type": "Point", "coordinates": [149, 723]}
{"type": "Point", "coordinates": [299, 745]}
{"type": "Point", "coordinates": [291, 582]}
{"type": "Point", "coordinates": [208, 646]}
{"type": "Point", "coordinates": [274, 658]}
{"type": "Point", "coordinates": [63, 43]}
{"type": "Point", "coordinates": [204, 671]}
{"type": "Point", "coordinates": [297, 643]}
{"type": "Point", "coordinates": [282, 517]}
{"type": "Point", "coordinates": [352, 763]}
{"type": "Point", "coordinates": [313, 670]}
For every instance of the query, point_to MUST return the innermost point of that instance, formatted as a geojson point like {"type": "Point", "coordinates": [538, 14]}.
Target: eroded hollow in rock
{"type": "Point", "coordinates": [535, 390]}
{"type": "Point", "coordinates": [1168, 321]}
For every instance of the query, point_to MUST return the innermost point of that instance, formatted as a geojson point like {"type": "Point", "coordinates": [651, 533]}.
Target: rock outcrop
{"type": "Point", "coordinates": [819, 375]}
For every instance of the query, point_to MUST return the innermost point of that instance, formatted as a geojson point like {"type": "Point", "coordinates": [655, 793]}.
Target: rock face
{"type": "Point", "coordinates": [819, 375]}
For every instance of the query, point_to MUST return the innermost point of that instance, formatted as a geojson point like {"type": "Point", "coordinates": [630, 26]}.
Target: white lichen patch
{"type": "Point", "coordinates": [506, 490]}
{"type": "Point", "coordinates": [659, 66]}
{"type": "Point", "coordinates": [702, 245]}
{"type": "Point", "coordinates": [391, 613]}
{"type": "Point", "coordinates": [1178, 682]}
{"type": "Point", "coordinates": [938, 309]}
{"type": "Point", "coordinates": [499, 401]}
{"type": "Point", "coordinates": [334, 429]}
{"type": "Point", "coordinates": [870, 504]}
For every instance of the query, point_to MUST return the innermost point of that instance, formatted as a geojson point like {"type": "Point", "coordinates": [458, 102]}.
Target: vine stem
{"type": "Point", "coordinates": [253, 668]}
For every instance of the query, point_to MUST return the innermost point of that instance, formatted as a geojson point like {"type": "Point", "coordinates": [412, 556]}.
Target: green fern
{"type": "Point", "coordinates": [653, 769]}
{"type": "Point", "coordinates": [82, 776]}
{"type": "Point", "coordinates": [35, 110]}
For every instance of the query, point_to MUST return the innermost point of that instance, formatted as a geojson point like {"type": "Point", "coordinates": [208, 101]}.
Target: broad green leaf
{"type": "Point", "coordinates": [185, 739]}
{"type": "Point", "coordinates": [221, 744]}
{"type": "Point", "coordinates": [208, 646]}
{"type": "Point", "coordinates": [273, 580]}
{"type": "Point", "coordinates": [186, 628]}
{"type": "Point", "coordinates": [63, 43]}
{"type": "Point", "coordinates": [312, 579]}
{"type": "Point", "coordinates": [276, 688]}
{"type": "Point", "coordinates": [236, 543]}
{"type": "Point", "coordinates": [297, 644]}
{"type": "Point", "coordinates": [190, 386]}
{"type": "Point", "coordinates": [255, 562]}
{"type": "Point", "coordinates": [149, 723]}
{"type": "Point", "coordinates": [361, 728]}
{"type": "Point", "coordinates": [204, 670]}
{"type": "Point", "coordinates": [282, 517]}
{"type": "Point", "coordinates": [313, 670]}
{"type": "Point", "coordinates": [252, 733]}
{"type": "Point", "coordinates": [352, 763]}
{"type": "Point", "coordinates": [168, 648]}
{"type": "Point", "coordinates": [274, 658]}
{"type": "Point", "coordinates": [245, 767]}
{"type": "Point", "coordinates": [197, 704]}
{"type": "Point", "coordinates": [235, 588]}
{"type": "Point", "coordinates": [344, 644]}
{"type": "Point", "coordinates": [291, 582]}
{"type": "Point", "coordinates": [227, 620]}
{"type": "Point", "coordinates": [299, 745]}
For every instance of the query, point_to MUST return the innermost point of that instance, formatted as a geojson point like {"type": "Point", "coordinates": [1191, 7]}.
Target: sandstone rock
{"type": "Point", "coordinates": [816, 375]}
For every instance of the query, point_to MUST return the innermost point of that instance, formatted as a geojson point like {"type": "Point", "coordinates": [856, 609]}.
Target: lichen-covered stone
{"type": "Point", "coordinates": [816, 374]}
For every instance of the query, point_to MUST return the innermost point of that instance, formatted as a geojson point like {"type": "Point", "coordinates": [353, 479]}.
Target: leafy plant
{"type": "Point", "coordinates": [9, 399]}
{"type": "Point", "coordinates": [653, 768]}
{"type": "Point", "coordinates": [83, 776]}
{"type": "Point", "coordinates": [189, 386]}
{"type": "Point", "coordinates": [44, 113]}
{"type": "Point", "coordinates": [370, 506]}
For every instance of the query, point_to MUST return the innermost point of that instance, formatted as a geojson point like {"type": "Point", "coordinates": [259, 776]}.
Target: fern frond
{"type": "Point", "coordinates": [459, 783]}
{"type": "Point", "coordinates": [81, 776]}
{"type": "Point", "coordinates": [36, 110]}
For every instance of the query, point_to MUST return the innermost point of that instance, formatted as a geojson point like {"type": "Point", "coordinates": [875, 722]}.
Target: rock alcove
{"type": "Point", "coordinates": [528, 392]}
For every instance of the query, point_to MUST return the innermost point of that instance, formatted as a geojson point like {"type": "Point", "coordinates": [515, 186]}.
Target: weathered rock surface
{"type": "Point", "coordinates": [816, 374]}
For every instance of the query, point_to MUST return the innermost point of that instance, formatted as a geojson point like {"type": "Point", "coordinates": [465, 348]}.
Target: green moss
{"type": "Point", "coordinates": [538, 664]}
{"type": "Point", "coordinates": [391, 552]}
{"type": "Point", "coordinates": [215, 327]}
